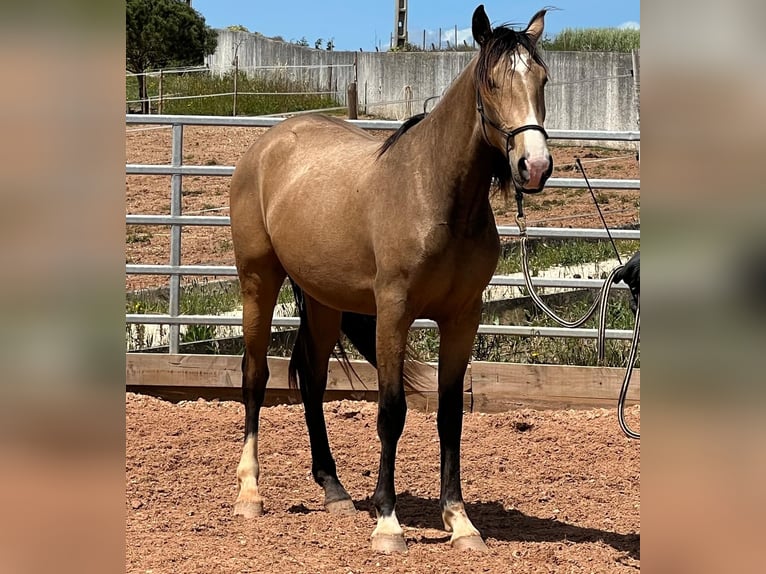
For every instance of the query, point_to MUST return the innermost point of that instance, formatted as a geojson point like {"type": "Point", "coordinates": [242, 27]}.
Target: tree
{"type": "Point", "coordinates": [160, 33]}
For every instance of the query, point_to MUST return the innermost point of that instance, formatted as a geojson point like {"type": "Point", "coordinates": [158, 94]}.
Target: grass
{"type": "Point", "coordinates": [594, 40]}
{"type": "Point", "coordinates": [547, 253]}
{"type": "Point", "coordinates": [203, 83]}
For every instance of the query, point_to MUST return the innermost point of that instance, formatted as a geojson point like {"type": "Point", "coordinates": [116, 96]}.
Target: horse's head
{"type": "Point", "coordinates": [510, 83]}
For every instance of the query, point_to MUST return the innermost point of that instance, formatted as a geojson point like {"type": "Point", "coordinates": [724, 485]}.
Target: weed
{"type": "Point", "coordinates": [138, 234]}
{"type": "Point", "coordinates": [250, 98]}
{"type": "Point", "coordinates": [594, 39]}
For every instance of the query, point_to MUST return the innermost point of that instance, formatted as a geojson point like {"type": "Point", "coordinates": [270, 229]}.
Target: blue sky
{"type": "Point", "coordinates": [355, 24]}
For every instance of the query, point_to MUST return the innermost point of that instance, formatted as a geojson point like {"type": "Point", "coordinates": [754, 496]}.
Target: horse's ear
{"type": "Point", "coordinates": [480, 26]}
{"type": "Point", "coordinates": [536, 25]}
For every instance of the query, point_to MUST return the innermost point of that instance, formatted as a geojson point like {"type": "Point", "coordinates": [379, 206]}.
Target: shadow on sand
{"type": "Point", "coordinates": [494, 521]}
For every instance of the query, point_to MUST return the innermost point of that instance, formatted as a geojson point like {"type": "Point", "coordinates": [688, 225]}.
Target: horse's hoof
{"type": "Point", "coordinates": [345, 507]}
{"type": "Point", "coordinates": [389, 543]}
{"type": "Point", "coordinates": [470, 543]}
{"type": "Point", "coordinates": [248, 509]}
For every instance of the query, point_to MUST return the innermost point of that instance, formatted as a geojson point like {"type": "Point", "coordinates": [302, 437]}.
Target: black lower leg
{"type": "Point", "coordinates": [253, 394]}
{"type": "Point", "coordinates": [449, 422]}
{"type": "Point", "coordinates": [323, 465]}
{"type": "Point", "coordinates": [392, 411]}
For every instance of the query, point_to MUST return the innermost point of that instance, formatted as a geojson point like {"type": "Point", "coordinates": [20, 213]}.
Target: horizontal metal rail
{"type": "Point", "coordinates": [268, 121]}
{"type": "Point", "coordinates": [503, 230]}
{"type": "Point", "coordinates": [231, 271]}
{"type": "Point", "coordinates": [225, 170]}
{"type": "Point", "coordinates": [236, 321]}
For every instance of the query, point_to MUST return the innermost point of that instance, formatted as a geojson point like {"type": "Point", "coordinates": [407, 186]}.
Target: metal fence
{"type": "Point", "coordinates": [176, 221]}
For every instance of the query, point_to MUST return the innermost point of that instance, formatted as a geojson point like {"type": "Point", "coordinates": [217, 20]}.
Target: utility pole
{"type": "Point", "coordinates": [400, 23]}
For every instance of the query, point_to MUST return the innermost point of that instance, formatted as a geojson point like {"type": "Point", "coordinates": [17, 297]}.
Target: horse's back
{"type": "Point", "coordinates": [298, 192]}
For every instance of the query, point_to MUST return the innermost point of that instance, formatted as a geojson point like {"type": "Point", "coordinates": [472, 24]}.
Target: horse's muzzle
{"type": "Point", "coordinates": [533, 173]}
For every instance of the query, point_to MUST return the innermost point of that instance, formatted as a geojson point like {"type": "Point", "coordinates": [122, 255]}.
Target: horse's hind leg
{"type": "Point", "coordinates": [259, 295]}
{"type": "Point", "coordinates": [319, 331]}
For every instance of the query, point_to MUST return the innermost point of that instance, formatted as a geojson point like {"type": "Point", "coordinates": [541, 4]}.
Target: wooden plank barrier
{"type": "Point", "coordinates": [487, 387]}
{"type": "Point", "coordinates": [504, 386]}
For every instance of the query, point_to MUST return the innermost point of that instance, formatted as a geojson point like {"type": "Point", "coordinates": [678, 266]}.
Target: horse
{"type": "Point", "coordinates": [375, 236]}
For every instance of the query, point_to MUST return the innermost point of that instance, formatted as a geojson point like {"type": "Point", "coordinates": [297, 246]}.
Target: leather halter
{"type": "Point", "coordinates": [509, 135]}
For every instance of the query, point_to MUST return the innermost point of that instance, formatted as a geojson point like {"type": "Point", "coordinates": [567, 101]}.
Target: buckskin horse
{"type": "Point", "coordinates": [375, 236]}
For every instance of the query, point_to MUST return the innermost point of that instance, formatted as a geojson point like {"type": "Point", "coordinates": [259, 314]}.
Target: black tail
{"type": "Point", "coordinates": [299, 369]}
{"type": "Point", "coordinates": [360, 330]}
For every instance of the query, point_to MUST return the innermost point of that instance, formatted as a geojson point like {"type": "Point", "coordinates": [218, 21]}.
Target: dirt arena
{"type": "Point", "coordinates": [551, 491]}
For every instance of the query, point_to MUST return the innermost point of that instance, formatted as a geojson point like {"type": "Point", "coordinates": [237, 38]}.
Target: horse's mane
{"type": "Point", "coordinates": [393, 138]}
{"type": "Point", "coordinates": [504, 40]}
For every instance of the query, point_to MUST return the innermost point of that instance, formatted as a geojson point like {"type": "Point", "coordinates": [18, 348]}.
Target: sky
{"type": "Point", "coordinates": [365, 24]}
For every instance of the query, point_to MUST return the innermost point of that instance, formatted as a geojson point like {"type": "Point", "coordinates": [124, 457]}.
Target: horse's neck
{"type": "Point", "coordinates": [457, 168]}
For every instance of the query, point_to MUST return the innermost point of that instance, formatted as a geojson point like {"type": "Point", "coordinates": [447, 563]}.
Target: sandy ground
{"type": "Point", "coordinates": [553, 491]}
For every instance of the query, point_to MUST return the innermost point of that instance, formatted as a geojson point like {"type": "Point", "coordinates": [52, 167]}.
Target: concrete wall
{"type": "Point", "coordinates": [584, 90]}
{"type": "Point", "coordinates": [255, 50]}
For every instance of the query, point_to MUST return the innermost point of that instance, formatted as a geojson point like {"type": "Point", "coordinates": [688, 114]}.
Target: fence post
{"type": "Point", "coordinates": [637, 95]}
{"type": "Point", "coordinates": [352, 101]}
{"type": "Point", "coordinates": [236, 75]}
{"type": "Point", "coordinates": [148, 97]}
{"type": "Point", "coordinates": [159, 103]}
{"type": "Point", "coordinates": [176, 160]}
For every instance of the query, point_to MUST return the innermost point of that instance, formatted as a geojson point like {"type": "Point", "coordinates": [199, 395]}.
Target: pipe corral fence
{"type": "Point", "coordinates": [172, 369]}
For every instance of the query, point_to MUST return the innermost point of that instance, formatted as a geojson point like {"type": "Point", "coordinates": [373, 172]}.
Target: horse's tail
{"type": "Point", "coordinates": [361, 331]}
{"type": "Point", "coordinates": [299, 371]}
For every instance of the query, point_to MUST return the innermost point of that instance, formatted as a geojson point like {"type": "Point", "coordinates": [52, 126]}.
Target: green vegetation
{"type": "Point", "coordinates": [202, 83]}
{"type": "Point", "coordinates": [215, 297]}
{"type": "Point", "coordinates": [547, 253]}
{"type": "Point", "coordinates": [162, 33]}
{"type": "Point", "coordinates": [424, 344]}
{"type": "Point", "coordinates": [594, 40]}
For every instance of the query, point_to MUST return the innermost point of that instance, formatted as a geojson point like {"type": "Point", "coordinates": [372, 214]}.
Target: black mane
{"type": "Point", "coordinates": [393, 138]}
{"type": "Point", "coordinates": [504, 40]}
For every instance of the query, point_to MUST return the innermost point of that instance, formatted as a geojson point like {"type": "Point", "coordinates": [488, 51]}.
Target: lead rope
{"type": "Point", "coordinates": [600, 303]}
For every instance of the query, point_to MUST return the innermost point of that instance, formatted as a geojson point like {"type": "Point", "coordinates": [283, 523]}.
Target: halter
{"type": "Point", "coordinates": [509, 135]}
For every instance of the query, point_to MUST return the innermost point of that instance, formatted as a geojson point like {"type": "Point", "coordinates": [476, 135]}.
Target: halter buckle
{"type": "Point", "coordinates": [521, 221]}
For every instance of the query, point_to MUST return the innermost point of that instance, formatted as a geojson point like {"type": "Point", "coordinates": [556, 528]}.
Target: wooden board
{"type": "Point", "coordinates": [147, 369]}
{"type": "Point", "coordinates": [500, 387]}
{"type": "Point", "coordinates": [487, 387]}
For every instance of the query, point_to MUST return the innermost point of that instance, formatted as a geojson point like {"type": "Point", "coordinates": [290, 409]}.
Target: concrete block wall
{"type": "Point", "coordinates": [586, 90]}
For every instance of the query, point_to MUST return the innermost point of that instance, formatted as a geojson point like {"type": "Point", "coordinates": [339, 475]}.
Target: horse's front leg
{"type": "Point", "coordinates": [393, 322]}
{"type": "Point", "coordinates": [456, 342]}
